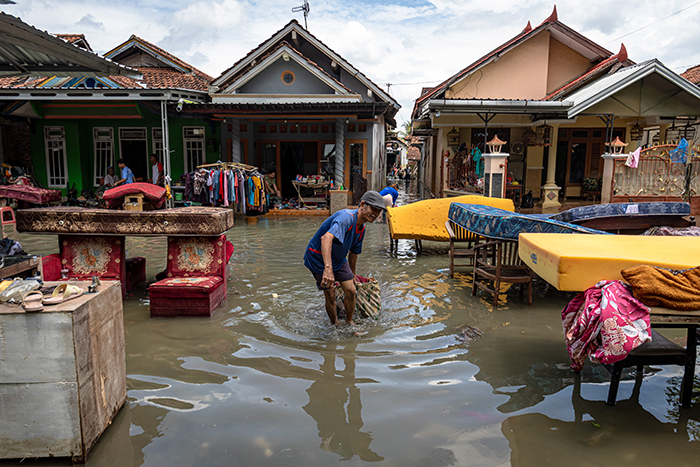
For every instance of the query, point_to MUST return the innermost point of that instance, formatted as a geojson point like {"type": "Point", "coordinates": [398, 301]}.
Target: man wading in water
{"type": "Point", "coordinates": [332, 252]}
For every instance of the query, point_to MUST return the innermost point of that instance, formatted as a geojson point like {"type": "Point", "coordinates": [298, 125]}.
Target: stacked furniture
{"type": "Point", "coordinates": [196, 277]}
{"type": "Point", "coordinates": [91, 243]}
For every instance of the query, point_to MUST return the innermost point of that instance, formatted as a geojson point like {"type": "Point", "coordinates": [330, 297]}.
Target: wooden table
{"type": "Point", "coordinates": [316, 187]}
{"type": "Point", "coordinates": [62, 374]}
{"type": "Point", "coordinates": [667, 318]}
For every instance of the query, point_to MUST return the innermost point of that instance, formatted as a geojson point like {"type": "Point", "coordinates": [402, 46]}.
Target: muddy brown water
{"type": "Point", "coordinates": [267, 381]}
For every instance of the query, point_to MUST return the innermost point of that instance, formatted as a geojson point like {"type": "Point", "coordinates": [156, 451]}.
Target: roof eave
{"type": "Point", "coordinates": [320, 45]}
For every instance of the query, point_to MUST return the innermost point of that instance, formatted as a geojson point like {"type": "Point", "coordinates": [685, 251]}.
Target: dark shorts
{"type": "Point", "coordinates": [341, 275]}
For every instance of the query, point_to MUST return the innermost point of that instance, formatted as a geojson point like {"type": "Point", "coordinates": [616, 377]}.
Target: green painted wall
{"type": "Point", "coordinates": [80, 146]}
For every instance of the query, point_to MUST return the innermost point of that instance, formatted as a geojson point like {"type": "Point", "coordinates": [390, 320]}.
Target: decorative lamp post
{"type": "Point", "coordinates": [636, 132]}
{"type": "Point", "coordinates": [495, 169]}
{"type": "Point", "coordinates": [495, 145]}
{"type": "Point", "coordinates": [616, 146]}
{"type": "Point", "coordinates": [453, 138]}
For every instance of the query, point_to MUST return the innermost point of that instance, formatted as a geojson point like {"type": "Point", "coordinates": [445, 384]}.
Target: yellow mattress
{"type": "Point", "coordinates": [576, 262]}
{"type": "Point", "coordinates": [425, 220]}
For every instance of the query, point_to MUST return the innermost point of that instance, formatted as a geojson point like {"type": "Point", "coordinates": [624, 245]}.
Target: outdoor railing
{"type": "Point", "coordinates": [656, 175]}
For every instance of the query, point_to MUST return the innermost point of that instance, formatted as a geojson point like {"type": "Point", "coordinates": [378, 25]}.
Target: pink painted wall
{"type": "Point", "coordinates": [564, 65]}
{"type": "Point", "coordinates": [520, 73]}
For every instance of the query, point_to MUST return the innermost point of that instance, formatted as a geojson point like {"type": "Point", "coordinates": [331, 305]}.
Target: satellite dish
{"type": "Point", "coordinates": [305, 8]}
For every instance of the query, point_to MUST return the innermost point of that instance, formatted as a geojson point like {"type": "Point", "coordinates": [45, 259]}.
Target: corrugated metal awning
{"type": "Point", "coordinates": [27, 51]}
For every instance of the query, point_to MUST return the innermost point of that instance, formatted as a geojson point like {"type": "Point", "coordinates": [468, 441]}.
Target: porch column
{"type": "Point", "coordinates": [608, 173]}
{"type": "Point", "coordinates": [235, 140]}
{"type": "Point", "coordinates": [550, 188]}
{"type": "Point", "coordinates": [167, 178]}
{"type": "Point", "coordinates": [339, 152]}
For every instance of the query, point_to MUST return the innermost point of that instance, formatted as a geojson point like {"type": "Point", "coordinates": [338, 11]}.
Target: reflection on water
{"type": "Point", "coordinates": [267, 381]}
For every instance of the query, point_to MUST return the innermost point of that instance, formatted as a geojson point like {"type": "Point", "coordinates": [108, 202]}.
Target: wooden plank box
{"type": "Point", "coordinates": [62, 374]}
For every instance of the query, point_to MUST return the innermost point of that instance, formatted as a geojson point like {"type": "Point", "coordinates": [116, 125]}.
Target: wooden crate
{"type": "Point", "coordinates": [62, 374]}
{"type": "Point", "coordinates": [133, 202]}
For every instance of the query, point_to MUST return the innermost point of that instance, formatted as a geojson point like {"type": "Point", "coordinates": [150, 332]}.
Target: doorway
{"type": "Point", "coordinates": [133, 148]}
{"type": "Point", "coordinates": [296, 159]}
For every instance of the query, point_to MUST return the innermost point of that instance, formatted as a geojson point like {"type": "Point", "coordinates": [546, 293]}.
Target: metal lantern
{"type": "Point", "coordinates": [544, 135]}
{"type": "Point", "coordinates": [495, 145]}
{"type": "Point", "coordinates": [636, 132]}
{"type": "Point", "coordinates": [529, 137]}
{"type": "Point", "coordinates": [616, 146]}
{"type": "Point", "coordinates": [453, 137]}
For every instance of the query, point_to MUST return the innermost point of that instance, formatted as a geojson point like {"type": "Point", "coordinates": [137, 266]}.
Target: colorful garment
{"type": "Point", "coordinates": [680, 154]}
{"type": "Point", "coordinates": [606, 323]}
{"type": "Point", "coordinates": [478, 162]}
{"type": "Point", "coordinates": [633, 158]}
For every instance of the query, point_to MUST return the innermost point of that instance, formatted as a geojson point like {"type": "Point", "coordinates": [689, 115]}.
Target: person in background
{"type": "Point", "coordinates": [332, 252]}
{"type": "Point", "coordinates": [390, 194]}
{"type": "Point", "coordinates": [271, 184]}
{"type": "Point", "coordinates": [127, 174]}
{"type": "Point", "coordinates": [110, 179]}
{"type": "Point", "coordinates": [156, 171]}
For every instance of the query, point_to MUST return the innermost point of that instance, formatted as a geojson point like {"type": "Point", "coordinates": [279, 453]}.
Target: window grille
{"type": "Point", "coordinates": [55, 141]}
{"type": "Point", "coordinates": [193, 138]}
{"type": "Point", "coordinates": [103, 143]}
{"type": "Point", "coordinates": [132, 133]}
{"type": "Point", "coordinates": [158, 143]}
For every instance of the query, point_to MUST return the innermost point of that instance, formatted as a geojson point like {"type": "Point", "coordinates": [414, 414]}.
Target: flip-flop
{"type": "Point", "coordinates": [62, 293]}
{"type": "Point", "coordinates": [32, 301]}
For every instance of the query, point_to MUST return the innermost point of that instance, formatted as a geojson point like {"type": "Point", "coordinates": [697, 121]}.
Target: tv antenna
{"type": "Point", "coordinates": [305, 8]}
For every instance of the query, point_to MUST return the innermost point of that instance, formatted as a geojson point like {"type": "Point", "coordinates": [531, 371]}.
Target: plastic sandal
{"type": "Point", "coordinates": [32, 301]}
{"type": "Point", "coordinates": [63, 293]}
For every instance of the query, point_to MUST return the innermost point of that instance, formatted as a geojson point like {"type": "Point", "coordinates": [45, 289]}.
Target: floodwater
{"type": "Point", "coordinates": [267, 381]}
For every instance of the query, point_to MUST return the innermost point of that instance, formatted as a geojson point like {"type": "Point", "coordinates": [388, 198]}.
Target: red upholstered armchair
{"type": "Point", "coordinates": [196, 277]}
{"type": "Point", "coordinates": [86, 256]}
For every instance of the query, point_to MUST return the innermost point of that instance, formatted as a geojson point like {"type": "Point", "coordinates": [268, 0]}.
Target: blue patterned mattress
{"type": "Point", "coordinates": [499, 224]}
{"type": "Point", "coordinates": [600, 211]}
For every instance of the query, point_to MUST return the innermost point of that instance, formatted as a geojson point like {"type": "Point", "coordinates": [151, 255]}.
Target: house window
{"type": "Point", "coordinates": [103, 143]}
{"type": "Point", "coordinates": [287, 77]}
{"type": "Point", "coordinates": [157, 134]}
{"type": "Point", "coordinates": [193, 137]}
{"type": "Point", "coordinates": [54, 136]}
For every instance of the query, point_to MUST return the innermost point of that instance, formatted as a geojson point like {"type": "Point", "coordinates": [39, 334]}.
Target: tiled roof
{"type": "Point", "coordinates": [601, 67]}
{"type": "Point", "coordinates": [156, 77]}
{"type": "Point", "coordinates": [306, 31]}
{"type": "Point", "coordinates": [10, 81]}
{"type": "Point", "coordinates": [309, 61]}
{"type": "Point", "coordinates": [692, 74]}
{"type": "Point", "coordinates": [527, 32]}
{"type": "Point", "coordinates": [73, 38]}
{"type": "Point", "coordinates": [255, 49]}
{"type": "Point", "coordinates": [167, 55]}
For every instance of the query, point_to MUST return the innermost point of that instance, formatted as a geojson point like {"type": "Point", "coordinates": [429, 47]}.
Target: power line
{"type": "Point", "coordinates": [651, 24]}
{"type": "Point", "coordinates": [413, 84]}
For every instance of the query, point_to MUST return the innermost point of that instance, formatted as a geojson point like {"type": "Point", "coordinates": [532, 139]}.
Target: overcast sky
{"type": "Point", "coordinates": [411, 44]}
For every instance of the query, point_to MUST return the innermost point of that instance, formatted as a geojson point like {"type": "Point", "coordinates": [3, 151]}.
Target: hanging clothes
{"type": "Point", "coordinates": [633, 158]}
{"type": "Point", "coordinates": [479, 162]}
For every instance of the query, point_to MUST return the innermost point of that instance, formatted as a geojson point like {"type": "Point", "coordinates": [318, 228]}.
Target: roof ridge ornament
{"type": "Point", "coordinates": [622, 54]}
{"type": "Point", "coordinates": [554, 17]}
{"type": "Point", "coordinates": [527, 29]}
